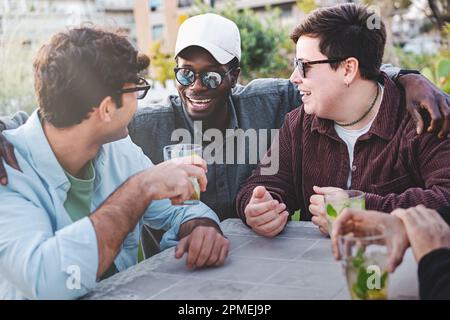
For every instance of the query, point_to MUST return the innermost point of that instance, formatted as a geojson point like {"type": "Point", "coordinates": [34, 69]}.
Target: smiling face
{"type": "Point", "coordinates": [202, 103]}
{"type": "Point", "coordinates": [322, 87]}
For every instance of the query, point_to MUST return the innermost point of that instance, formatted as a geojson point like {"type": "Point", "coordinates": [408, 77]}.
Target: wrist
{"type": "Point", "coordinates": [406, 74]}
{"type": "Point", "coordinates": [187, 227]}
{"type": "Point", "coordinates": [144, 184]}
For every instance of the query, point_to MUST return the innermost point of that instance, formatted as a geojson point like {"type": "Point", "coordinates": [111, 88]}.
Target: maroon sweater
{"type": "Point", "coordinates": [392, 164]}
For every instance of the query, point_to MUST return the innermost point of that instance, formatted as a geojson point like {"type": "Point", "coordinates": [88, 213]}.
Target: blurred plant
{"type": "Point", "coordinates": [16, 74]}
{"type": "Point", "coordinates": [266, 47]}
{"type": "Point", "coordinates": [162, 64]}
{"type": "Point", "coordinates": [306, 5]}
{"type": "Point", "coordinates": [435, 67]}
{"type": "Point", "coordinates": [439, 73]}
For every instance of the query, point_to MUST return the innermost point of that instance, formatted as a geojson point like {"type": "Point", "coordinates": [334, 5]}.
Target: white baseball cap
{"type": "Point", "coordinates": [216, 34]}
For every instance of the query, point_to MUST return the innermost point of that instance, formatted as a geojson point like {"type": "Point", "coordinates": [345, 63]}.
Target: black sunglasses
{"type": "Point", "coordinates": [211, 79]}
{"type": "Point", "coordinates": [142, 87]}
{"type": "Point", "coordinates": [303, 65]}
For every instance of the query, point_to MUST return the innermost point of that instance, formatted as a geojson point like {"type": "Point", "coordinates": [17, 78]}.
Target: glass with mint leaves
{"type": "Point", "coordinates": [337, 201]}
{"type": "Point", "coordinates": [364, 262]}
{"type": "Point", "coordinates": [185, 150]}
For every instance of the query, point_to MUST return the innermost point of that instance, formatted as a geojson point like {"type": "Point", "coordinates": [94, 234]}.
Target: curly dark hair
{"type": "Point", "coordinates": [78, 68]}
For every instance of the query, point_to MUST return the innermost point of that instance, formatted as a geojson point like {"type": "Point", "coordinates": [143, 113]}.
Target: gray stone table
{"type": "Point", "coordinates": [298, 264]}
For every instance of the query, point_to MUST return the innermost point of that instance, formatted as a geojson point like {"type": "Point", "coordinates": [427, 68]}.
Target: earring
{"type": "Point", "coordinates": [347, 84]}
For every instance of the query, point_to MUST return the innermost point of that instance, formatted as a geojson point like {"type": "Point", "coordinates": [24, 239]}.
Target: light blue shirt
{"type": "Point", "coordinates": [41, 250]}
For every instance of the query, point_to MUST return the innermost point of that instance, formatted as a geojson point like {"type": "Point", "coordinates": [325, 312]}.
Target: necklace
{"type": "Point", "coordinates": [365, 113]}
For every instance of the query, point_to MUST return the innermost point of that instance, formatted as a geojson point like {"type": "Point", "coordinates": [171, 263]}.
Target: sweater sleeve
{"type": "Point", "coordinates": [274, 173]}
{"type": "Point", "coordinates": [434, 275]}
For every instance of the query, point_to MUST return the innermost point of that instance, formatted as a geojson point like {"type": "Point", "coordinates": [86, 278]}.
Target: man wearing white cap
{"type": "Point", "coordinates": [208, 51]}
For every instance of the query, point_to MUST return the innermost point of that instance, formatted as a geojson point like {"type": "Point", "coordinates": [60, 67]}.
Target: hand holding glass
{"type": "Point", "coordinates": [185, 150]}
{"type": "Point", "coordinates": [364, 262]}
{"type": "Point", "coordinates": [337, 201]}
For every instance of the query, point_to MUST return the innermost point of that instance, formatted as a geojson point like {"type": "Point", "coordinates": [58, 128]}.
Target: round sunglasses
{"type": "Point", "coordinates": [211, 79]}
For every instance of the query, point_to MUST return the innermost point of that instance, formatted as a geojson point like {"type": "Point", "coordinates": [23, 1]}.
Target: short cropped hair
{"type": "Point", "coordinates": [344, 31]}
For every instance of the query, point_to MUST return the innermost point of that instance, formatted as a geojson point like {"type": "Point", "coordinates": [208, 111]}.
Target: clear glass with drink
{"type": "Point", "coordinates": [185, 150]}
{"type": "Point", "coordinates": [364, 260]}
{"type": "Point", "coordinates": [337, 201]}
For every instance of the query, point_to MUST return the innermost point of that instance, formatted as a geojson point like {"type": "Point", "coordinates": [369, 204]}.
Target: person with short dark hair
{"type": "Point", "coordinates": [352, 132]}
{"type": "Point", "coordinates": [74, 213]}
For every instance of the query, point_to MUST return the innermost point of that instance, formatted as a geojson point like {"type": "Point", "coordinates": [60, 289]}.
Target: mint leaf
{"type": "Point", "coordinates": [358, 260]}
{"type": "Point", "coordinates": [331, 211]}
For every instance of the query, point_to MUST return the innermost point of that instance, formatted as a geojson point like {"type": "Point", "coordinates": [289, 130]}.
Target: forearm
{"type": "Point", "coordinates": [117, 217]}
{"type": "Point", "coordinates": [187, 227]}
{"type": "Point", "coordinates": [432, 198]}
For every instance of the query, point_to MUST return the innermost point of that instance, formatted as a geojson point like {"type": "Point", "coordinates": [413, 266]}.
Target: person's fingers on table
{"type": "Point", "coordinates": [195, 245]}
{"type": "Point", "coordinates": [223, 255]}
{"type": "Point", "coordinates": [315, 220]}
{"type": "Point", "coordinates": [285, 216]}
{"type": "Point", "coordinates": [316, 210]}
{"type": "Point", "coordinates": [215, 253]}
{"type": "Point", "coordinates": [269, 228]}
{"type": "Point", "coordinates": [319, 221]}
{"type": "Point", "coordinates": [268, 216]}
{"type": "Point", "coordinates": [324, 231]}
{"type": "Point", "coordinates": [206, 248]}
{"type": "Point", "coordinates": [257, 209]}
{"type": "Point", "coordinates": [181, 247]}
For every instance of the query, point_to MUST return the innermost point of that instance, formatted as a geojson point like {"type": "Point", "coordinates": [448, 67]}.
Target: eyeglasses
{"type": "Point", "coordinates": [211, 79]}
{"type": "Point", "coordinates": [303, 65]}
{"type": "Point", "coordinates": [142, 88]}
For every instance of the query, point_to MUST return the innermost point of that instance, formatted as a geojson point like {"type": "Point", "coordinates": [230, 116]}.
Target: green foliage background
{"type": "Point", "coordinates": [266, 47]}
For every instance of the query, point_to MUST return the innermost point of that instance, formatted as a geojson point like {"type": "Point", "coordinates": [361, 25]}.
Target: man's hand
{"type": "Point", "coordinates": [422, 94]}
{"type": "Point", "coordinates": [172, 179]}
{"type": "Point", "coordinates": [426, 230]}
{"type": "Point", "coordinates": [206, 247]}
{"type": "Point", "coordinates": [317, 207]}
{"type": "Point", "coordinates": [362, 222]}
{"type": "Point", "coordinates": [7, 154]}
{"type": "Point", "coordinates": [266, 216]}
